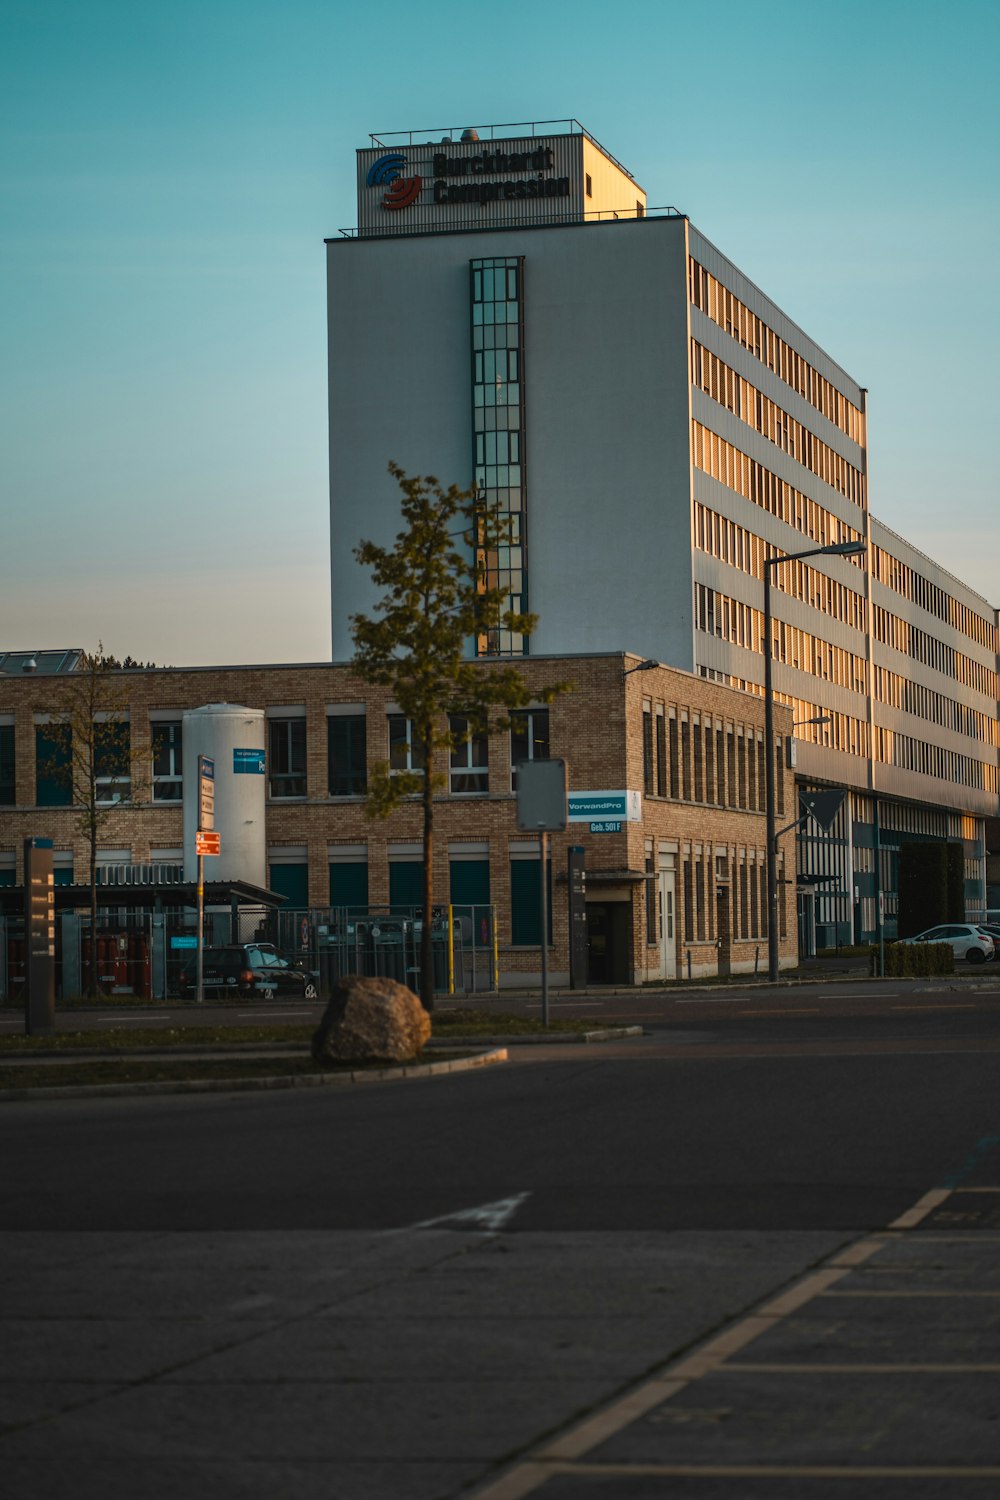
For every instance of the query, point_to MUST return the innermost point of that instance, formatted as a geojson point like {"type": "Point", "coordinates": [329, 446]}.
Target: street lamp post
{"type": "Point", "coordinates": [837, 549]}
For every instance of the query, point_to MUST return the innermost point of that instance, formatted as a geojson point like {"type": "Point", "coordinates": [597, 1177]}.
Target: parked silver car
{"type": "Point", "coordinates": [993, 931]}
{"type": "Point", "coordinates": [967, 940]}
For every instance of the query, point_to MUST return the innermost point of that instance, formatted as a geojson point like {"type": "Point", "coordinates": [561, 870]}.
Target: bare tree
{"type": "Point", "coordinates": [86, 757]}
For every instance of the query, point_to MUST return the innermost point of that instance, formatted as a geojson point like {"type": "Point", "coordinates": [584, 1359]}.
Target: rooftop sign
{"type": "Point", "coordinates": [473, 184]}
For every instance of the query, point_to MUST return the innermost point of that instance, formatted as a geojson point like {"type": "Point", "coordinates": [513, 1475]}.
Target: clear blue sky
{"type": "Point", "coordinates": [170, 173]}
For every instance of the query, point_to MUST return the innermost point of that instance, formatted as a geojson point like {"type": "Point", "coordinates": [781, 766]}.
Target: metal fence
{"type": "Point", "coordinates": [148, 954]}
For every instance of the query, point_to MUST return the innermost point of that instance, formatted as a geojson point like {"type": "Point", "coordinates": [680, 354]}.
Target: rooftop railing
{"type": "Point", "coordinates": [435, 135]}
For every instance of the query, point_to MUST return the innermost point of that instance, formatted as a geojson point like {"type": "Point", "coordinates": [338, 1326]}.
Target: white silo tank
{"type": "Point", "coordinates": [233, 737]}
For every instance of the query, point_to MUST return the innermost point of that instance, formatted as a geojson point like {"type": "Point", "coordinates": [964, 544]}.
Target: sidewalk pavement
{"type": "Point", "coordinates": [433, 1362]}
{"type": "Point", "coordinates": [878, 1373]}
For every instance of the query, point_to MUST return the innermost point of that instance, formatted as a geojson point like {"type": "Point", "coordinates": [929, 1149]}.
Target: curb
{"type": "Point", "coordinates": [255, 1085]}
{"type": "Point", "coordinates": [534, 1039]}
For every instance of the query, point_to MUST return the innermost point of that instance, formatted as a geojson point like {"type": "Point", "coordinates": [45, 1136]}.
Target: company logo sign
{"type": "Point", "coordinates": [615, 807]}
{"type": "Point", "coordinates": [487, 186]}
{"type": "Point", "coordinates": [401, 191]}
{"type": "Point", "coordinates": [485, 178]}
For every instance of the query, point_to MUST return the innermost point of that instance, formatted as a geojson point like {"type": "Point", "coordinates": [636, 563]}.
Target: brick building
{"type": "Point", "coordinates": [676, 886]}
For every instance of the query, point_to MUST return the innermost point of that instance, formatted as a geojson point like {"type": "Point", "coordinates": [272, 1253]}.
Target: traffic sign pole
{"type": "Point", "coordinates": [206, 822]}
{"type": "Point", "coordinates": [200, 991]}
{"type": "Point", "coordinates": [544, 850]}
{"type": "Point", "coordinates": [541, 807]}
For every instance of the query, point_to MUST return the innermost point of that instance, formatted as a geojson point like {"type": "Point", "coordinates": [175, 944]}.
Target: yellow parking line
{"type": "Point", "coordinates": [558, 1456]}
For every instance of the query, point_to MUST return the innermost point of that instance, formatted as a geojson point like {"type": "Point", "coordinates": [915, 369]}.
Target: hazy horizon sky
{"type": "Point", "coordinates": [170, 174]}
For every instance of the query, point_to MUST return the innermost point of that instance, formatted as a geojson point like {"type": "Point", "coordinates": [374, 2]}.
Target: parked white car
{"type": "Point", "coordinates": [967, 941]}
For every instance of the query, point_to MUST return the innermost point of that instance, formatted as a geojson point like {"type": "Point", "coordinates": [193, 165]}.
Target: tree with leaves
{"type": "Point", "coordinates": [438, 598]}
{"type": "Point", "coordinates": [85, 758]}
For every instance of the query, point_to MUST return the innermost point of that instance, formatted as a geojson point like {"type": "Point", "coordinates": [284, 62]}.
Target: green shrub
{"type": "Point", "coordinates": [914, 960]}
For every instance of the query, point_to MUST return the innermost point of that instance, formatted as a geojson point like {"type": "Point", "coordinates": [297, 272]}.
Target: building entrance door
{"type": "Point", "coordinates": [807, 924]}
{"type": "Point", "coordinates": [668, 943]}
{"type": "Point", "coordinates": [608, 942]}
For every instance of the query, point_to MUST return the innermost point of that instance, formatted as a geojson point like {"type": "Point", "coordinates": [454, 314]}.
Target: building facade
{"type": "Point", "coordinates": [657, 430]}
{"type": "Point", "coordinates": [674, 881]}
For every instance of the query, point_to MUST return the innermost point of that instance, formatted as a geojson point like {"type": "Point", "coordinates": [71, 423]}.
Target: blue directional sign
{"type": "Point", "coordinates": [248, 762]}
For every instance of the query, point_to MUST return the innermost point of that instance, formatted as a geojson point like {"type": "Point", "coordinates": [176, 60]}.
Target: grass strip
{"type": "Point", "coordinates": [447, 1025]}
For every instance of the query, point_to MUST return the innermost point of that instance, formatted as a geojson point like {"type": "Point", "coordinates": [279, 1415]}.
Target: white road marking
{"type": "Point", "coordinates": [131, 1020]}
{"type": "Point", "coordinates": [563, 1004]}
{"type": "Point", "coordinates": [488, 1216]}
{"type": "Point", "coordinates": [787, 1010]}
{"type": "Point", "coordinates": [713, 999]}
{"type": "Point", "coordinates": [260, 1015]}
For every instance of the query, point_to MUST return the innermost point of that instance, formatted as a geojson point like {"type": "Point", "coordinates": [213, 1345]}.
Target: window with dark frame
{"type": "Point", "coordinates": [647, 750]}
{"type": "Point", "coordinates": [53, 765]}
{"type": "Point", "coordinates": [529, 738]}
{"type": "Point", "coordinates": [168, 765]}
{"type": "Point", "coordinates": [346, 755]}
{"type": "Point", "coordinates": [661, 756]}
{"type": "Point", "coordinates": [7, 787]}
{"type": "Point", "coordinates": [405, 750]}
{"type": "Point", "coordinates": [498, 429]}
{"type": "Point", "coordinates": [469, 769]}
{"type": "Point", "coordinates": [675, 768]}
{"type": "Point", "coordinates": [286, 757]}
{"type": "Point", "coordinates": [111, 761]}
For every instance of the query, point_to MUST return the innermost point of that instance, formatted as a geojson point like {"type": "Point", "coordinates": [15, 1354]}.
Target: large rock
{"type": "Point", "coordinates": [371, 1020]}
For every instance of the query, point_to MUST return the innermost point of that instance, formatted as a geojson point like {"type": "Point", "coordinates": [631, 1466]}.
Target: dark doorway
{"type": "Point", "coordinates": [608, 930]}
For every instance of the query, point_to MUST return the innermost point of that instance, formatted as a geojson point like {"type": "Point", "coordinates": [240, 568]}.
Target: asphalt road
{"type": "Point", "coordinates": [974, 987]}
{"type": "Point", "coordinates": [407, 1289]}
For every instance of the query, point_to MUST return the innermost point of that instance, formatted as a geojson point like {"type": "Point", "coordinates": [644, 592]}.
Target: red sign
{"type": "Point", "coordinates": [208, 843]}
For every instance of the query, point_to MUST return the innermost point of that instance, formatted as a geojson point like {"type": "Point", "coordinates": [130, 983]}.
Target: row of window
{"type": "Point", "coordinates": [909, 754]}
{"type": "Point", "coordinates": [741, 548]}
{"type": "Point", "coordinates": [693, 760]}
{"type": "Point", "coordinates": [904, 580]}
{"type": "Point", "coordinates": [838, 731]}
{"type": "Point", "coordinates": [711, 375]}
{"type": "Point", "coordinates": [913, 698]}
{"type": "Point", "coordinates": [914, 818]}
{"type": "Point", "coordinates": [468, 886]}
{"type": "Point", "coordinates": [720, 537]}
{"type": "Point", "coordinates": [743, 625]}
{"type": "Point", "coordinates": [760, 485]}
{"type": "Point", "coordinates": [732, 620]}
{"type": "Point", "coordinates": [921, 646]}
{"type": "Point", "coordinates": [347, 757]}
{"type": "Point", "coordinates": [728, 312]}
{"type": "Point", "coordinates": [717, 890]}
{"type": "Point", "coordinates": [723, 461]}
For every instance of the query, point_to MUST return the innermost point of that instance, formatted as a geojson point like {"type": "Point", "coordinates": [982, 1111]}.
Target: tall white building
{"type": "Point", "coordinates": [509, 313]}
